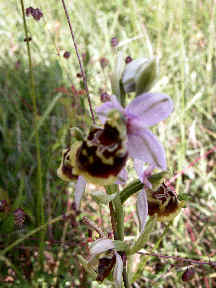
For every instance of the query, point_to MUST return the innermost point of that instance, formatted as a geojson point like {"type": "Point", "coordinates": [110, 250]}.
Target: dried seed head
{"type": "Point", "coordinates": [79, 75]}
{"type": "Point", "coordinates": [19, 217]}
{"type": "Point", "coordinates": [105, 97]}
{"type": "Point", "coordinates": [104, 62]}
{"type": "Point", "coordinates": [35, 13]}
{"type": "Point", "coordinates": [27, 39]}
{"type": "Point", "coordinates": [66, 54]}
{"type": "Point", "coordinates": [114, 42]}
{"type": "Point", "coordinates": [128, 59]}
{"type": "Point", "coordinates": [188, 274]}
{"type": "Point", "coordinates": [29, 11]}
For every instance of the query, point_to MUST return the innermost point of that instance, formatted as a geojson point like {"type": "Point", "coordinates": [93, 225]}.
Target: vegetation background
{"type": "Point", "coordinates": [181, 34]}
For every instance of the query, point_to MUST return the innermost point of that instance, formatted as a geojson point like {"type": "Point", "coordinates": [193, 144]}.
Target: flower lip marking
{"type": "Point", "coordinates": [164, 203]}
{"type": "Point", "coordinates": [66, 171]}
{"type": "Point", "coordinates": [102, 155]}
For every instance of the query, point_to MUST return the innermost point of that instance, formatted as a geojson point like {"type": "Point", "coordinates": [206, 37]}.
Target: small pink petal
{"type": "Point", "coordinates": [122, 177]}
{"type": "Point", "coordinates": [105, 108]}
{"type": "Point", "coordinates": [143, 172]}
{"type": "Point", "coordinates": [143, 145]}
{"type": "Point", "coordinates": [101, 245]}
{"type": "Point", "coordinates": [117, 273]}
{"type": "Point", "coordinates": [142, 209]}
{"type": "Point", "coordinates": [79, 190]}
{"type": "Point", "coordinates": [151, 108]}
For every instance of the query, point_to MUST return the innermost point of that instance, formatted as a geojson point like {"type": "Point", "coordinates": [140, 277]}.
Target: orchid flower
{"type": "Point", "coordinates": [102, 245]}
{"type": "Point", "coordinates": [99, 158]}
{"type": "Point", "coordinates": [144, 111]}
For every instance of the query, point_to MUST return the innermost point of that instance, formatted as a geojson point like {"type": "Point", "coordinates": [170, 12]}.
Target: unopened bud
{"type": "Point", "coordinates": [114, 42]}
{"type": "Point", "coordinates": [66, 54]}
{"type": "Point", "coordinates": [104, 96]}
{"type": "Point", "coordinates": [104, 62]}
{"type": "Point", "coordinates": [188, 274]}
{"type": "Point", "coordinates": [139, 75]}
{"type": "Point", "coordinates": [128, 59]}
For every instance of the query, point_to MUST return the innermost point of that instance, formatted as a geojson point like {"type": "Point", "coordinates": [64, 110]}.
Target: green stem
{"type": "Point", "coordinates": [9, 264]}
{"type": "Point", "coordinates": [119, 216]}
{"type": "Point", "coordinates": [40, 211]}
{"type": "Point", "coordinates": [119, 220]}
{"type": "Point", "coordinates": [131, 189]}
{"type": "Point", "coordinates": [143, 238]}
{"type": "Point", "coordinates": [136, 185]}
{"type": "Point", "coordinates": [143, 262]}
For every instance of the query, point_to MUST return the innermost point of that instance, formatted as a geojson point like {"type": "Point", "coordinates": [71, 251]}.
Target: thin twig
{"type": "Point", "coordinates": [112, 216]}
{"type": "Point", "coordinates": [80, 63]}
{"type": "Point", "coordinates": [61, 250]}
{"type": "Point", "coordinates": [168, 183]}
{"type": "Point", "coordinates": [49, 207]}
{"type": "Point", "coordinates": [194, 261]}
{"type": "Point", "coordinates": [91, 225]}
{"type": "Point", "coordinates": [125, 275]}
{"type": "Point", "coordinates": [34, 231]}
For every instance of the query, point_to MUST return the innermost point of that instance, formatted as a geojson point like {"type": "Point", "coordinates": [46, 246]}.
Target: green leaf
{"type": "Point", "coordinates": [143, 238]}
{"type": "Point", "coordinates": [146, 76]}
{"type": "Point", "coordinates": [117, 74]}
{"type": "Point", "coordinates": [88, 269]}
{"type": "Point", "coordinates": [120, 245]}
{"type": "Point", "coordinates": [102, 197]}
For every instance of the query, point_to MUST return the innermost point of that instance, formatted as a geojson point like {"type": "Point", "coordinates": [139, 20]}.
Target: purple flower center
{"type": "Point", "coordinates": [129, 117]}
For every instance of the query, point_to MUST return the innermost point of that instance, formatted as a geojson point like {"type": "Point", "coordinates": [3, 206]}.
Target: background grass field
{"type": "Point", "coordinates": [181, 34]}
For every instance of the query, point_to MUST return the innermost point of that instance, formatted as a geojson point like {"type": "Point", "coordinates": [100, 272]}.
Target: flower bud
{"type": "Point", "coordinates": [66, 54]}
{"type": "Point", "coordinates": [116, 77]}
{"type": "Point", "coordinates": [188, 274]}
{"type": "Point", "coordinates": [128, 59]}
{"type": "Point", "coordinates": [114, 42]}
{"type": "Point", "coordinates": [139, 75]}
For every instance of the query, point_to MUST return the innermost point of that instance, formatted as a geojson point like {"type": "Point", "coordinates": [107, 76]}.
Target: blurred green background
{"type": "Point", "coordinates": [181, 34]}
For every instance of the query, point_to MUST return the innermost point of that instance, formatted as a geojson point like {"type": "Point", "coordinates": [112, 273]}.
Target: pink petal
{"type": "Point", "coordinates": [142, 209]}
{"type": "Point", "coordinates": [143, 145]}
{"type": "Point", "coordinates": [101, 245]}
{"type": "Point", "coordinates": [122, 177]}
{"type": "Point", "coordinates": [151, 108]}
{"type": "Point", "coordinates": [79, 190]}
{"type": "Point", "coordinates": [117, 273]}
{"type": "Point", "coordinates": [143, 172]}
{"type": "Point", "coordinates": [105, 108]}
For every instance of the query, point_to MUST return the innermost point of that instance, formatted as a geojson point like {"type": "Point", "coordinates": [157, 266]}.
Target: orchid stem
{"type": "Point", "coordinates": [119, 220]}
{"type": "Point", "coordinates": [112, 216]}
{"type": "Point", "coordinates": [80, 63]}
